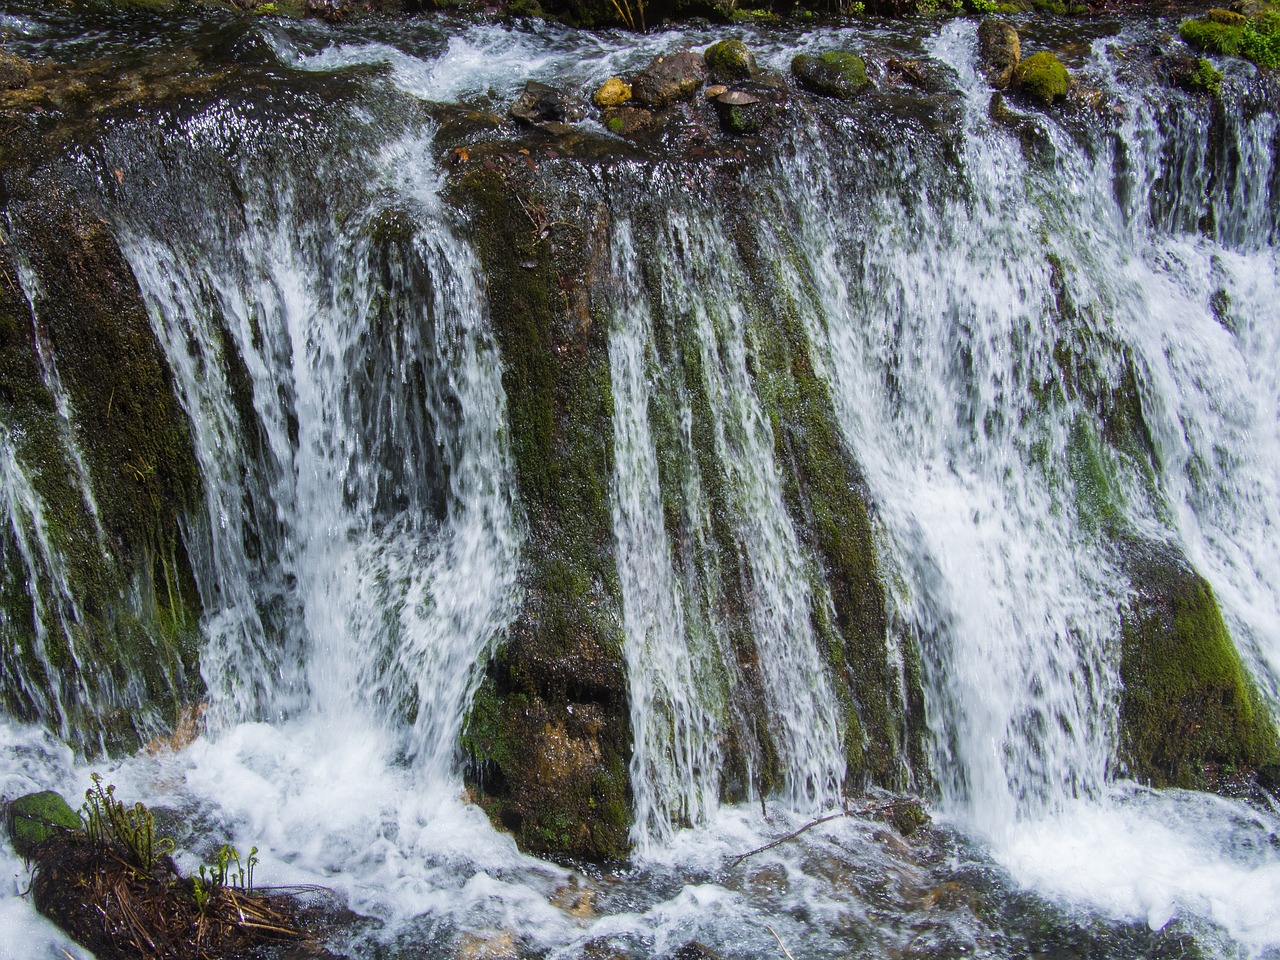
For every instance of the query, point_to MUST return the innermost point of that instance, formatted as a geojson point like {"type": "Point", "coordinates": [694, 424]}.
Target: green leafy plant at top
{"type": "Point", "coordinates": [1234, 35]}
{"type": "Point", "coordinates": [130, 831]}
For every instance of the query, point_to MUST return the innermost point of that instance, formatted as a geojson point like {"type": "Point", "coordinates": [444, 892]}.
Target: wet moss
{"type": "Point", "coordinates": [827, 498]}
{"type": "Point", "coordinates": [1188, 701]}
{"type": "Point", "coordinates": [549, 736]}
{"type": "Point", "coordinates": [1042, 76]}
{"type": "Point", "coordinates": [103, 645]}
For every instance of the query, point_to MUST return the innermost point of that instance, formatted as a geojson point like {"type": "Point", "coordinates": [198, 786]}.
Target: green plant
{"type": "Point", "coordinates": [130, 831]}
{"type": "Point", "coordinates": [1207, 78]}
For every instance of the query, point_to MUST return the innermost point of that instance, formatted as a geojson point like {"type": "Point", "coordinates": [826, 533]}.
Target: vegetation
{"type": "Point", "coordinates": [1254, 38]}
{"type": "Point", "coordinates": [1042, 76]}
{"type": "Point", "coordinates": [111, 886]}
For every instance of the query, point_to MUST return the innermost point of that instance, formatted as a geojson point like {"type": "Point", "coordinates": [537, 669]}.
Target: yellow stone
{"type": "Point", "coordinates": [614, 93]}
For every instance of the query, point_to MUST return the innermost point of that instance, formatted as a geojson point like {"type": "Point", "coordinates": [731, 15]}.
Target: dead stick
{"type": "Point", "coordinates": [780, 943]}
{"type": "Point", "coordinates": [866, 811]}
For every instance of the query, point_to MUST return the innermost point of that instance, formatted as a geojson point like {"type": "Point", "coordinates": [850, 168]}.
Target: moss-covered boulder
{"type": "Point", "coordinates": [999, 52]}
{"type": "Point", "coordinates": [730, 61]}
{"type": "Point", "coordinates": [1042, 77]}
{"type": "Point", "coordinates": [838, 74]}
{"type": "Point", "coordinates": [670, 79]}
{"type": "Point", "coordinates": [1187, 702]}
{"type": "Point", "coordinates": [14, 71]}
{"type": "Point", "coordinates": [549, 732]}
{"type": "Point", "coordinates": [34, 818]}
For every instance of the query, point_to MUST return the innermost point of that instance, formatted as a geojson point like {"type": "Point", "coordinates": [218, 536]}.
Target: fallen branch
{"type": "Point", "coordinates": [864, 812]}
{"type": "Point", "coordinates": [779, 939]}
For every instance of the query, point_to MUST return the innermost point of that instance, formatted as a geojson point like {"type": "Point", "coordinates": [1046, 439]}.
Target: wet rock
{"type": "Point", "coordinates": [716, 90]}
{"type": "Point", "coordinates": [488, 945]}
{"type": "Point", "coordinates": [730, 61]}
{"type": "Point", "coordinates": [740, 113]}
{"type": "Point", "coordinates": [34, 818]}
{"type": "Point", "coordinates": [695, 950]}
{"type": "Point", "coordinates": [837, 74]}
{"type": "Point", "coordinates": [1042, 77]}
{"type": "Point", "coordinates": [1188, 702]}
{"type": "Point", "coordinates": [668, 80]}
{"type": "Point", "coordinates": [614, 92]}
{"type": "Point", "coordinates": [630, 121]}
{"type": "Point", "coordinates": [541, 103]}
{"type": "Point", "coordinates": [999, 51]}
{"type": "Point", "coordinates": [575, 899]}
{"type": "Point", "coordinates": [14, 72]}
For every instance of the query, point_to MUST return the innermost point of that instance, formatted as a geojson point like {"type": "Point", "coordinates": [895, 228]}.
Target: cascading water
{"type": "Point", "coordinates": [358, 554]}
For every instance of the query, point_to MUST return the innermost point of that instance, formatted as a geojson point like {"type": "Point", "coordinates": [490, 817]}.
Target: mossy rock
{"type": "Point", "coordinates": [1187, 699]}
{"type": "Point", "coordinates": [548, 734]}
{"type": "Point", "coordinates": [34, 818]}
{"type": "Point", "coordinates": [730, 61]}
{"type": "Point", "coordinates": [1043, 77]}
{"type": "Point", "coordinates": [1234, 35]}
{"type": "Point", "coordinates": [838, 74]}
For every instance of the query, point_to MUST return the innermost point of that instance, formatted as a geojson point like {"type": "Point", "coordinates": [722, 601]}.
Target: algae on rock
{"type": "Point", "coordinates": [548, 733]}
{"type": "Point", "coordinates": [1188, 702]}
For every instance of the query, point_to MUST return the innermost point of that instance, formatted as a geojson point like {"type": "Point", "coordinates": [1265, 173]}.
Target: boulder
{"type": "Point", "coordinates": [1042, 77]}
{"type": "Point", "coordinates": [668, 80]}
{"type": "Point", "coordinates": [999, 51]}
{"type": "Point", "coordinates": [838, 74]}
{"type": "Point", "coordinates": [730, 61]}
{"type": "Point", "coordinates": [541, 103]}
{"type": "Point", "coordinates": [34, 818]}
{"type": "Point", "coordinates": [612, 93]}
{"type": "Point", "coordinates": [14, 72]}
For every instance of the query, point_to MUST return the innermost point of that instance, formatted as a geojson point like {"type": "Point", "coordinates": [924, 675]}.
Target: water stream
{"type": "Point", "coordinates": [358, 557]}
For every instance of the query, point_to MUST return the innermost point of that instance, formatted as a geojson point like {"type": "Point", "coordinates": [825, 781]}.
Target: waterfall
{"type": "Point", "coordinates": [349, 425]}
{"type": "Point", "coordinates": [1033, 338]}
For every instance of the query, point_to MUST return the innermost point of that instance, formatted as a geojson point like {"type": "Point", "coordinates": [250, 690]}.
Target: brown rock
{"type": "Point", "coordinates": [14, 72]}
{"type": "Point", "coordinates": [668, 80]}
{"type": "Point", "coordinates": [999, 51]}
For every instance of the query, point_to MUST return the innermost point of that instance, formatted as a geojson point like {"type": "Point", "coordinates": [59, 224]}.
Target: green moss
{"type": "Point", "coordinates": [550, 729]}
{"type": "Point", "coordinates": [119, 651]}
{"type": "Point", "coordinates": [1187, 699]}
{"type": "Point", "coordinates": [1256, 39]}
{"type": "Point", "coordinates": [838, 74]}
{"type": "Point", "coordinates": [824, 491]}
{"type": "Point", "coordinates": [730, 61]}
{"type": "Point", "coordinates": [1042, 76]}
{"type": "Point", "coordinates": [34, 818]}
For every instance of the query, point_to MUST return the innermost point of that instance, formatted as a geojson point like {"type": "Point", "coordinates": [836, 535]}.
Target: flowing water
{"type": "Point", "coordinates": [357, 558]}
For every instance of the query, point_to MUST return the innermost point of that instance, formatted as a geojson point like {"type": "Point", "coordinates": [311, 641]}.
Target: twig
{"type": "Point", "coordinates": [866, 811]}
{"type": "Point", "coordinates": [780, 943]}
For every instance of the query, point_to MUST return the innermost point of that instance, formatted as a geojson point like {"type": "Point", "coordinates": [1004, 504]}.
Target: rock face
{"type": "Point", "coordinates": [670, 79]}
{"type": "Point", "coordinates": [999, 51]}
{"type": "Point", "coordinates": [127, 563]}
{"type": "Point", "coordinates": [548, 733]}
{"type": "Point", "coordinates": [1188, 701]}
{"type": "Point", "coordinates": [838, 74]}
